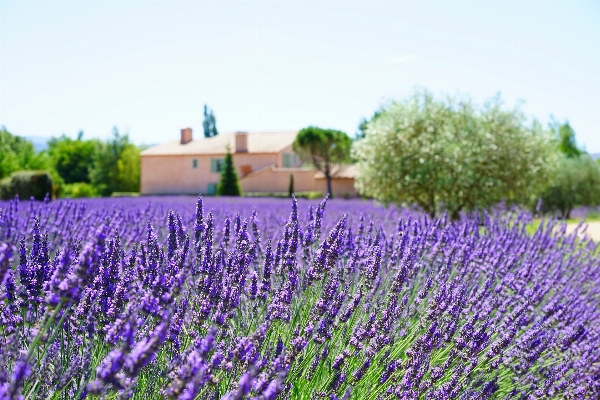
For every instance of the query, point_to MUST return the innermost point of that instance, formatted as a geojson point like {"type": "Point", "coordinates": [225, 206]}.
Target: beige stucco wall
{"type": "Point", "coordinates": [340, 187]}
{"type": "Point", "coordinates": [175, 174]}
{"type": "Point", "coordinates": [256, 160]}
{"type": "Point", "coordinates": [278, 180]}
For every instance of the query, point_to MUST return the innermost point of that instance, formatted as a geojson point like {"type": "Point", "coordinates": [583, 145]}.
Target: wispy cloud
{"type": "Point", "coordinates": [405, 58]}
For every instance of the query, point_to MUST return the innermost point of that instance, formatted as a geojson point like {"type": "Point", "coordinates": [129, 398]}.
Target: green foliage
{"type": "Point", "coordinates": [19, 154]}
{"type": "Point", "coordinates": [324, 148]}
{"type": "Point", "coordinates": [291, 186]}
{"type": "Point", "coordinates": [78, 190]}
{"type": "Point", "coordinates": [450, 154]}
{"type": "Point", "coordinates": [565, 137]}
{"type": "Point", "coordinates": [229, 185]}
{"type": "Point", "coordinates": [128, 169]}
{"type": "Point", "coordinates": [576, 183]}
{"type": "Point", "coordinates": [116, 166]}
{"type": "Point", "coordinates": [311, 195]}
{"type": "Point", "coordinates": [210, 123]}
{"type": "Point", "coordinates": [112, 166]}
{"type": "Point", "coordinates": [125, 194]}
{"type": "Point", "coordinates": [362, 126]}
{"type": "Point", "coordinates": [27, 184]}
{"type": "Point", "coordinates": [73, 159]}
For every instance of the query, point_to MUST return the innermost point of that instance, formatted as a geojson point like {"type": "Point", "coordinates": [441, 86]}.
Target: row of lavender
{"type": "Point", "coordinates": [131, 299]}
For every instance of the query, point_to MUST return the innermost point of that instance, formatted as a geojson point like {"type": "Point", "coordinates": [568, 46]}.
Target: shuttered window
{"type": "Point", "coordinates": [216, 164]}
{"type": "Point", "coordinates": [288, 160]}
{"type": "Point", "coordinates": [195, 163]}
{"type": "Point", "coordinates": [211, 189]}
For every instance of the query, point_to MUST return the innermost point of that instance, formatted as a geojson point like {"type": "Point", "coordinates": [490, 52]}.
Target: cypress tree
{"type": "Point", "coordinates": [291, 186]}
{"type": "Point", "coordinates": [210, 123]}
{"type": "Point", "coordinates": [229, 185]}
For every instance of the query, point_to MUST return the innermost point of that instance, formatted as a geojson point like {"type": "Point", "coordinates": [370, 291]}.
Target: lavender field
{"type": "Point", "coordinates": [184, 298]}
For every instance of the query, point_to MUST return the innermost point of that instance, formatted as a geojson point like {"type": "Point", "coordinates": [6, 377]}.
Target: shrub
{"type": "Point", "coordinates": [79, 190]}
{"type": "Point", "coordinates": [299, 195]}
{"type": "Point", "coordinates": [125, 194]}
{"type": "Point", "coordinates": [27, 184]}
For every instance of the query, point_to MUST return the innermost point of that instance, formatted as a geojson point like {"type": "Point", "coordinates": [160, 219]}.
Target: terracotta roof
{"type": "Point", "coordinates": [258, 142]}
{"type": "Point", "coordinates": [342, 172]}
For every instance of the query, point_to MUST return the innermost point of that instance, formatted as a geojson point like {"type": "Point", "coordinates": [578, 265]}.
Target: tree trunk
{"type": "Point", "coordinates": [328, 178]}
{"type": "Point", "coordinates": [455, 215]}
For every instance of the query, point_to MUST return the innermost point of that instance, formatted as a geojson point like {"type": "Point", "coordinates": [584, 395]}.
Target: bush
{"type": "Point", "coordinates": [27, 184]}
{"type": "Point", "coordinates": [78, 190]}
{"type": "Point", "coordinates": [299, 195]}
{"type": "Point", "coordinates": [309, 195]}
{"type": "Point", "coordinates": [125, 194]}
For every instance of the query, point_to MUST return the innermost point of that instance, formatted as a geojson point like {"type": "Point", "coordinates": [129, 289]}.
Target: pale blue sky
{"type": "Point", "coordinates": [148, 67]}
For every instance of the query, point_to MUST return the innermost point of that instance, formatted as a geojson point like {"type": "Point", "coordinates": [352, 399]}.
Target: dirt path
{"type": "Point", "coordinates": [592, 231]}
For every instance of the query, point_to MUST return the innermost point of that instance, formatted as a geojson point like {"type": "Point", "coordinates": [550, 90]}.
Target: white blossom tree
{"type": "Point", "coordinates": [451, 155]}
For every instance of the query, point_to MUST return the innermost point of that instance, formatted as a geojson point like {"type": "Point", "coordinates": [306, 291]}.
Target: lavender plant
{"type": "Point", "coordinates": [252, 299]}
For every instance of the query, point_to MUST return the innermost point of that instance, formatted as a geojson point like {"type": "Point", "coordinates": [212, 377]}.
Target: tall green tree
{"type": "Point", "coordinates": [362, 126]}
{"type": "Point", "coordinates": [116, 167]}
{"type": "Point", "coordinates": [291, 186]}
{"type": "Point", "coordinates": [229, 184]}
{"type": "Point", "coordinates": [210, 123]}
{"type": "Point", "coordinates": [452, 155]}
{"type": "Point", "coordinates": [576, 182]}
{"type": "Point", "coordinates": [565, 136]}
{"type": "Point", "coordinates": [128, 169]}
{"type": "Point", "coordinates": [73, 159]}
{"type": "Point", "coordinates": [326, 149]}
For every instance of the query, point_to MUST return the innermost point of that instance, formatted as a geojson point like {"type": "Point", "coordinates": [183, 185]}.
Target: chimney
{"type": "Point", "coordinates": [186, 135]}
{"type": "Point", "coordinates": [241, 142]}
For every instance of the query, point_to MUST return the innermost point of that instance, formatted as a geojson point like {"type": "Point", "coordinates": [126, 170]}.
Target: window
{"type": "Point", "coordinates": [288, 160]}
{"type": "Point", "coordinates": [211, 189]}
{"type": "Point", "coordinates": [195, 163]}
{"type": "Point", "coordinates": [216, 164]}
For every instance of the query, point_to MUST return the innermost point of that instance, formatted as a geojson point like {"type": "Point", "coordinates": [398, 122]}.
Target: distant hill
{"type": "Point", "coordinates": [595, 156]}
{"type": "Point", "coordinates": [39, 143]}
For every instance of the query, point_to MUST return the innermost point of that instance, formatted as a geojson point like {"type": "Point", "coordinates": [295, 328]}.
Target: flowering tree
{"type": "Point", "coordinates": [448, 154]}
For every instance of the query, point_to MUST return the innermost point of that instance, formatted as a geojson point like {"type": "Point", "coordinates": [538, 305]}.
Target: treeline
{"type": "Point", "coordinates": [74, 167]}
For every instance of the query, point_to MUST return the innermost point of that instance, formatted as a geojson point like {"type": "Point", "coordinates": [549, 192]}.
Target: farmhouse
{"type": "Point", "coordinates": [264, 162]}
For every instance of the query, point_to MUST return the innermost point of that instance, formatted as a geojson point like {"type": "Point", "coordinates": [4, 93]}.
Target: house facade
{"type": "Point", "coordinates": [264, 161]}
